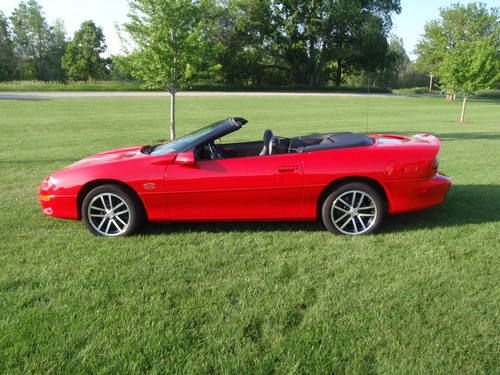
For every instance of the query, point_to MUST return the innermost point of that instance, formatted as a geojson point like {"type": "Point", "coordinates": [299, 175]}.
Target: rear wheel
{"type": "Point", "coordinates": [111, 211]}
{"type": "Point", "coordinates": [353, 209]}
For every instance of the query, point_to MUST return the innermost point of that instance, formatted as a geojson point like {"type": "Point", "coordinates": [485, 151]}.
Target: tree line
{"type": "Point", "coordinates": [234, 42]}
{"type": "Point", "coordinates": [31, 49]}
{"type": "Point", "coordinates": [312, 43]}
{"type": "Point", "coordinates": [264, 42]}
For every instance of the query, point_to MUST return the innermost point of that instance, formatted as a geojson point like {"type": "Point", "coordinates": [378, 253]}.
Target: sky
{"type": "Point", "coordinates": [409, 25]}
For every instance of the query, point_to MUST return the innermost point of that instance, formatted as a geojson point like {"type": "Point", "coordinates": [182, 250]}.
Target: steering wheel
{"type": "Point", "coordinates": [215, 153]}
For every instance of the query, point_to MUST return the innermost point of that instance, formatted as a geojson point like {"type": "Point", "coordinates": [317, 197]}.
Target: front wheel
{"type": "Point", "coordinates": [353, 209]}
{"type": "Point", "coordinates": [111, 211]}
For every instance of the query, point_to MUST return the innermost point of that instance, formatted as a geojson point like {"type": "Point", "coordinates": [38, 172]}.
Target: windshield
{"type": "Point", "coordinates": [181, 143]}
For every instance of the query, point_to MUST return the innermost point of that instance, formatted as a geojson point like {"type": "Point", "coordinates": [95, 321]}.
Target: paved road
{"type": "Point", "coordinates": [125, 94]}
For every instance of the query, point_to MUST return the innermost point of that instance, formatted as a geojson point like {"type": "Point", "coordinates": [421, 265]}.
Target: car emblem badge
{"type": "Point", "coordinates": [149, 186]}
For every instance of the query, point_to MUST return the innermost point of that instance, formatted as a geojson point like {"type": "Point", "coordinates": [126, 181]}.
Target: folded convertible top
{"type": "Point", "coordinates": [337, 141]}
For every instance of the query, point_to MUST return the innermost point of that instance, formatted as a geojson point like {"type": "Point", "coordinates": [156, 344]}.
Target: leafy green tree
{"type": "Point", "coordinates": [368, 49]}
{"type": "Point", "coordinates": [56, 50]}
{"type": "Point", "coordinates": [242, 34]}
{"type": "Point", "coordinates": [7, 57]}
{"type": "Point", "coordinates": [82, 59]}
{"type": "Point", "coordinates": [395, 65]}
{"type": "Point", "coordinates": [31, 35]}
{"type": "Point", "coordinates": [120, 68]}
{"type": "Point", "coordinates": [38, 46]}
{"type": "Point", "coordinates": [173, 40]}
{"type": "Point", "coordinates": [461, 48]}
{"type": "Point", "coordinates": [310, 34]}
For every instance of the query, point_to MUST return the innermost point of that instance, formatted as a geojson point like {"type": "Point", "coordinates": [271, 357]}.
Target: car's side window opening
{"type": "Point", "coordinates": [276, 145]}
{"type": "Point", "coordinates": [208, 151]}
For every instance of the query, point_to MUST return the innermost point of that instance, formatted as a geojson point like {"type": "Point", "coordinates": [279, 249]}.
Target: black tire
{"type": "Point", "coordinates": [353, 218]}
{"type": "Point", "coordinates": [121, 223]}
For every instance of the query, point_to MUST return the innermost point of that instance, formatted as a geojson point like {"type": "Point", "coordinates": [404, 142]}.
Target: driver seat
{"type": "Point", "coordinates": [268, 135]}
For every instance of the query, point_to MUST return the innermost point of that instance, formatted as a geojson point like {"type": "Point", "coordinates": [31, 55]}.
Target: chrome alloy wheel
{"type": "Point", "coordinates": [353, 212]}
{"type": "Point", "coordinates": [109, 214]}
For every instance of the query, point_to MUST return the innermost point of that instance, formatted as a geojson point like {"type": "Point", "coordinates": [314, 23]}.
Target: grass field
{"type": "Point", "coordinates": [422, 296]}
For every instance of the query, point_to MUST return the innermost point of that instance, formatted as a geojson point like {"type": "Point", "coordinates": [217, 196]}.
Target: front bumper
{"type": "Point", "coordinates": [418, 194]}
{"type": "Point", "coordinates": [61, 206]}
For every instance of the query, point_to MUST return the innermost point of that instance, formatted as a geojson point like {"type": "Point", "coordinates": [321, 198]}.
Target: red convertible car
{"type": "Point", "coordinates": [350, 181]}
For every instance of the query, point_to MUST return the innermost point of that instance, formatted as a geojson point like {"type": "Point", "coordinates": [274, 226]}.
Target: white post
{"type": "Point", "coordinates": [462, 117]}
{"type": "Point", "coordinates": [430, 83]}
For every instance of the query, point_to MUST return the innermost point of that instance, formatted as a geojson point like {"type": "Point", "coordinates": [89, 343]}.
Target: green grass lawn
{"type": "Point", "coordinates": [421, 296]}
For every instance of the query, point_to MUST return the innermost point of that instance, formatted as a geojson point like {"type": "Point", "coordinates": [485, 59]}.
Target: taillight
{"type": "Point", "coordinates": [435, 164]}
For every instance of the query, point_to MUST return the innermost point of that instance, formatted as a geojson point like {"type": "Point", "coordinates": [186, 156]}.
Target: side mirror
{"type": "Point", "coordinates": [185, 158]}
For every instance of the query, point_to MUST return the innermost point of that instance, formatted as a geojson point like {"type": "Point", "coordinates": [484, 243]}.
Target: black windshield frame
{"type": "Point", "coordinates": [203, 135]}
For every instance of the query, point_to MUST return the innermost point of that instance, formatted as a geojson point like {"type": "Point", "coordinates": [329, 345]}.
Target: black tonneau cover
{"type": "Point", "coordinates": [334, 141]}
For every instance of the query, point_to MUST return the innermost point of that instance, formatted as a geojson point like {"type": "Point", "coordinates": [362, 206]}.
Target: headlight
{"type": "Point", "coordinates": [48, 183]}
{"type": "Point", "coordinates": [51, 181]}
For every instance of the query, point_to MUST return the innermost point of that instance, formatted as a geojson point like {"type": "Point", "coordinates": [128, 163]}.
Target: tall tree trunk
{"type": "Point", "coordinates": [172, 115]}
{"type": "Point", "coordinates": [339, 44]}
{"type": "Point", "coordinates": [173, 87]}
{"type": "Point", "coordinates": [462, 117]}
{"type": "Point", "coordinates": [312, 63]}
{"type": "Point", "coordinates": [318, 76]}
{"type": "Point", "coordinates": [338, 73]}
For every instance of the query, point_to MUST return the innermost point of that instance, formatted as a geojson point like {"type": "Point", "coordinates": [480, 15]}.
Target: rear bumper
{"type": "Point", "coordinates": [61, 206]}
{"type": "Point", "coordinates": [415, 195]}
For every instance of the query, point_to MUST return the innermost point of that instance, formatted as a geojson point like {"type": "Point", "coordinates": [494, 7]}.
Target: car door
{"type": "Point", "coordinates": [260, 187]}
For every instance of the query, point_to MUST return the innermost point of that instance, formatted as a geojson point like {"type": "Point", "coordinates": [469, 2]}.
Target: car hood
{"type": "Point", "coordinates": [109, 156]}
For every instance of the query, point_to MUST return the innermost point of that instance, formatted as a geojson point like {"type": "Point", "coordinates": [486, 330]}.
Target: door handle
{"type": "Point", "coordinates": [287, 168]}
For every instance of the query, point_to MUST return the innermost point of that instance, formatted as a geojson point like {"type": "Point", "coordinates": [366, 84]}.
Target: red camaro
{"type": "Point", "coordinates": [351, 181]}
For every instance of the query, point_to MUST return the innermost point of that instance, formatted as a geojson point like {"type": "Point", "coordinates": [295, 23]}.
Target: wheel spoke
{"type": "Point", "coordinates": [97, 208]}
{"type": "Point", "coordinates": [100, 225]}
{"type": "Point", "coordinates": [361, 200]}
{"type": "Point", "coordinates": [97, 215]}
{"type": "Point", "coordinates": [116, 225]}
{"type": "Point", "coordinates": [121, 212]}
{"type": "Point", "coordinates": [346, 222]}
{"type": "Point", "coordinates": [118, 205]}
{"type": "Point", "coordinates": [353, 201]}
{"type": "Point", "coordinates": [362, 223]}
{"type": "Point", "coordinates": [107, 227]}
{"type": "Point", "coordinates": [367, 215]}
{"type": "Point", "coordinates": [343, 201]}
{"type": "Point", "coordinates": [104, 203]}
{"type": "Point", "coordinates": [121, 221]}
{"type": "Point", "coordinates": [340, 208]}
{"type": "Point", "coordinates": [354, 224]}
{"type": "Point", "coordinates": [366, 207]}
{"type": "Point", "coordinates": [340, 218]}
{"type": "Point", "coordinates": [110, 202]}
